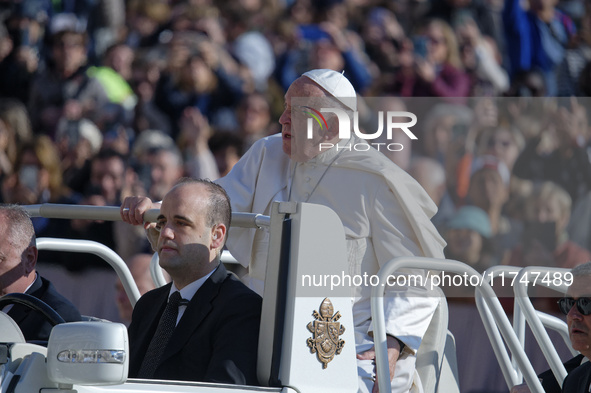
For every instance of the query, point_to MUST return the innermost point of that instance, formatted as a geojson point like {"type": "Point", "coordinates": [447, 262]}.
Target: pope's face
{"type": "Point", "coordinates": [293, 120]}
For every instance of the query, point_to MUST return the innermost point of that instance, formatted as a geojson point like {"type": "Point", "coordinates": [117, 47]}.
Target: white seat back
{"type": "Point", "coordinates": [288, 350]}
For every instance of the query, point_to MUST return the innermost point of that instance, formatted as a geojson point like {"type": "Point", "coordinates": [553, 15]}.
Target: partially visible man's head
{"type": "Point", "coordinates": [219, 210]}
{"type": "Point", "coordinates": [18, 253]}
{"type": "Point", "coordinates": [577, 307]}
{"type": "Point", "coordinates": [193, 223]}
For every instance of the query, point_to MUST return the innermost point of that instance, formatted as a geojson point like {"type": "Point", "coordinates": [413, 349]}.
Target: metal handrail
{"type": "Point", "coordinates": [558, 325]}
{"type": "Point", "coordinates": [531, 315]}
{"type": "Point", "coordinates": [92, 247]}
{"type": "Point", "coordinates": [512, 375]}
{"type": "Point", "coordinates": [156, 271]}
{"type": "Point", "coordinates": [112, 213]}
{"type": "Point", "coordinates": [488, 296]}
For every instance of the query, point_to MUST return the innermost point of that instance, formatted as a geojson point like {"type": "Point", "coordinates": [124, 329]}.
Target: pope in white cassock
{"type": "Point", "coordinates": [385, 214]}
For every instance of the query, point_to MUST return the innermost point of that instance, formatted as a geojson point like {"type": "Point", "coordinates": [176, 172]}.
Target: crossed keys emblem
{"type": "Point", "coordinates": [325, 341]}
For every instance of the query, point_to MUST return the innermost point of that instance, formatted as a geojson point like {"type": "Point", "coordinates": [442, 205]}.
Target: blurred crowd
{"type": "Point", "coordinates": [101, 99]}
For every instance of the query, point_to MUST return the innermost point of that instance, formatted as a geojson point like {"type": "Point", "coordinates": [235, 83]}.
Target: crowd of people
{"type": "Point", "coordinates": [105, 99]}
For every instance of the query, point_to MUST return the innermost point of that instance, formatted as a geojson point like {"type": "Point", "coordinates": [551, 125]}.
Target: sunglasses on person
{"type": "Point", "coordinates": [583, 305]}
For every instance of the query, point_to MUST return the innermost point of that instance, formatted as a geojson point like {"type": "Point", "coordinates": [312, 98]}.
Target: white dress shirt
{"type": "Point", "coordinates": [188, 292]}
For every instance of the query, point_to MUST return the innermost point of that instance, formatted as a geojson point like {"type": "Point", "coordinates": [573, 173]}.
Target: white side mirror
{"type": "Point", "coordinates": [88, 353]}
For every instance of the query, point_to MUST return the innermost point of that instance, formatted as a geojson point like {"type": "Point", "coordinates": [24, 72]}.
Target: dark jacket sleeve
{"type": "Point", "coordinates": [577, 381]}
{"type": "Point", "coordinates": [549, 382]}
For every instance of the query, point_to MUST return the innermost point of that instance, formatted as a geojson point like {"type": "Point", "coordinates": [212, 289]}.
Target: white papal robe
{"type": "Point", "coordinates": [385, 214]}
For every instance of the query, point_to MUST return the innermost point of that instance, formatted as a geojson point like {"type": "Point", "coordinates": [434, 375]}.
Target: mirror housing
{"type": "Point", "coordinates": [88, 353]}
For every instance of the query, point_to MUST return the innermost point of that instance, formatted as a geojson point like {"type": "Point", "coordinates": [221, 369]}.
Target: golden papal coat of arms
{"type": "Point", "coordinates": [326, 331]}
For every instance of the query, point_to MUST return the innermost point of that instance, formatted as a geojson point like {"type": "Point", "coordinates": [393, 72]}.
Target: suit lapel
{"type": "Point", "coordinates": [152, 315]}
{"type": "Point", "coordinates": [197, 310]}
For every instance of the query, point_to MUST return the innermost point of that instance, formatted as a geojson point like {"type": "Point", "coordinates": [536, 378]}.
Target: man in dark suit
{"type": "Point", "coordinates": [576, 305]}
{"type": "Point", "coordinates": [211, 334]}
{"type": "Point", "coordinates": [18, 260]}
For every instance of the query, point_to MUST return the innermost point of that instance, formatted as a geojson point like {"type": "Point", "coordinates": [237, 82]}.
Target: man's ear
{"type": "Point", "coordinates": [30, 258]}
{"type": "Point", "coordinates": [218, 235]}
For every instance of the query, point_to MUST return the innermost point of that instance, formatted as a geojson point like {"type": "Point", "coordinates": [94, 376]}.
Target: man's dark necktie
{"type": "Point", "coordinates": [161, 337]}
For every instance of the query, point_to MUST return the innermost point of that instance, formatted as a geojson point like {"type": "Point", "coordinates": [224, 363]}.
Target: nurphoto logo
{"type": "Point", "coordinates": [394, 120]}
